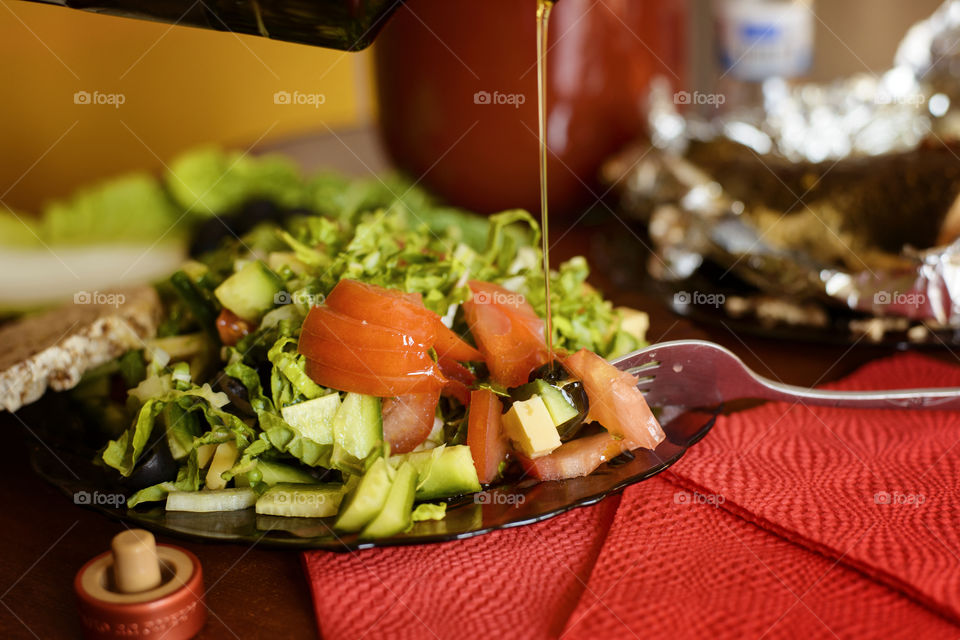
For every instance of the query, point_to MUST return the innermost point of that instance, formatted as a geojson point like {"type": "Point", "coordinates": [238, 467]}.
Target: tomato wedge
{"type": "Point", "coordinates": [382, 362]}
{"type": "Point", "coordinates": [389, 308]}
{"type": "Point", "coordinates": [453, 370]}
{"type": "Point", "coordinates": [450, 345]}
{"type": "Point", "coordinates": [329, 374]}
{"type": "Point", "coordinates": [459, 380]}
{"type": "Point", "coordinates": [507, 331]}
{"type": "Point", "coordinates": [615, 401]}
{"type": "Point", "coordinates": [576, 458]}
{"type": "Point", "coordinates": [408, 420]}
{"type": "Point", "coordinates": [325, 323]}
{"type": "Point", "coordinates": [232, 327]}
{"type": "Point", "coordinates": [458, 391]}
{"type": "Point", "coordinates": [488, 446]}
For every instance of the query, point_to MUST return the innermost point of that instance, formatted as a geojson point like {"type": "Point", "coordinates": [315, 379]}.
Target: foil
{"type": "Point", "coordinates": [843, 193]}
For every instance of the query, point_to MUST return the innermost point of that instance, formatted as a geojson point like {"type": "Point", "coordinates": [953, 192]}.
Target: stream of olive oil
{"type": "Point", "coordinates": [543, 18]}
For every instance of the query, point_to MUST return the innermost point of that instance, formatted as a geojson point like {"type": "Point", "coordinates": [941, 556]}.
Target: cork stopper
{"type": "Point", "coordinates": [141, 589]}
{"type": "Point", "coordinates": [136, 566]}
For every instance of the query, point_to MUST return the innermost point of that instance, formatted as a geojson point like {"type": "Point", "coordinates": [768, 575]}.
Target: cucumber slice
{"type": "Point", "coordinates": [223, 459]}
{"type": "Point", "coordinates": [366, 500]}
{"type": "Point", "coordinates": [397, 512]}
{"type": "Point", "coordinates": [250, 292]}
{"type": "Point", "coordinates": [313, 419]}
{"type": "Point", "coordinates": [278, 473]}
{"type": "Point", "coordinates": [560, 407]}
{"type": "Point", "coordinates": [357, 432]}
{"type": "Point", "coordinates": [301, 501]}
{"type": "Point", "coordinates": [203, 501]}
{"type": "Point", "coordinates": [449, 473]}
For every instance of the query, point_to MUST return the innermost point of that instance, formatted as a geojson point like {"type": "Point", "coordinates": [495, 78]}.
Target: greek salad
{"type": "Point", "coordinates": [364, 357]}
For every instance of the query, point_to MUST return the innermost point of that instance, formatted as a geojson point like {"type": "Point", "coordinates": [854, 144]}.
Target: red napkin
{"type": "Point", "coordinates": [784, 520]}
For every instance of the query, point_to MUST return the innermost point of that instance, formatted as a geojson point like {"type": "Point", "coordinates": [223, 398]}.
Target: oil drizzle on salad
{"type": "Point", "coordinates": [543, 18]}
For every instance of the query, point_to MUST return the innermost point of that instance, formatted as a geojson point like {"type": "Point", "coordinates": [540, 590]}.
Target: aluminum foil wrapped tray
{"type": "Point", "coordinates": [833, 207]}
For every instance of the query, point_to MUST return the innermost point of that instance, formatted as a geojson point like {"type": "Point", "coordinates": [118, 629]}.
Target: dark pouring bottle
{"type": "Point", "coordinates": [349, 25]}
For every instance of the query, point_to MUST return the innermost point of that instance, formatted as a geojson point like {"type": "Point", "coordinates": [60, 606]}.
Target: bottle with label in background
{"type": "Point", "coordinates": [350, 25]}
{"type": "Point", "coordinates": [760, 40]}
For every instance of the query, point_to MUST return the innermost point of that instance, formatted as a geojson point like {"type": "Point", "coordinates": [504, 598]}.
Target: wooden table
{"type": "Point", "coordinates": [254, 592]}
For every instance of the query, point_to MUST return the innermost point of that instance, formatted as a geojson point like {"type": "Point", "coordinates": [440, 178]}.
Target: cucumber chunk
{"type": "Point", "coordinates": [357, 432]}
{"type": "Point", "coordinates": [397, 512]}
{"type": "Point", "coordinates": [313, 419]}
{"type": "Point", "coordinates": [278, 473]}
{"type": "Point", "coordinates": [366, 500]}
{"type": "Point", "coordinates": [250, 292]}
{"type": "Point", "coordinates": [451, 473]}
{"type": "Point", "coordinates": [301, 501]}
{"type": "Point", "coordinates": [219, 500]}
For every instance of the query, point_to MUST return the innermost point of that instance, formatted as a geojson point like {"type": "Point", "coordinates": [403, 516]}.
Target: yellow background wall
{"type": "Point", "coordinates": [181, 86]}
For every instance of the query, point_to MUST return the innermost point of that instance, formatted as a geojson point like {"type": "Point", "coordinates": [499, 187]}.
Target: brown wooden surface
{"type": "Point", "coordinates": [255, 592]}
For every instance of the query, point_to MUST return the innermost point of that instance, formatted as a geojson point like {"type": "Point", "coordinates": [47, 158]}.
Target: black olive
{"type": "Point", "coordinates": [156, 463]}
{"type": "Point", "coordinates": [236, 393]}
{"type": "Point", "coordinates": [479, 369]}
{"type": "Point", "coordinates": [211, 233]}
{"type": "Point", "coordinates": [577, 395]}
{"type": "Point", "coordinates": [552, 372]}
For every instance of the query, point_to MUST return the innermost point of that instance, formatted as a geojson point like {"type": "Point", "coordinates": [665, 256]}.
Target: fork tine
{"type": "Point", "coordinates": [643, 368]}
{"type": "Point", "coordinates": [639, 358]}
{"type": "Point", "coordinates": [645, 383]}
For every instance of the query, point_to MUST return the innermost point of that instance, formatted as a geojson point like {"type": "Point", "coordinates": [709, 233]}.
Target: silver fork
{"type": "Point", "coordinates": [696, 373]}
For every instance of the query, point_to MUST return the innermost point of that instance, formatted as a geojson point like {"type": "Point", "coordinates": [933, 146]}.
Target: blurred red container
{"type": "Point", "coordinates": [456, 83]}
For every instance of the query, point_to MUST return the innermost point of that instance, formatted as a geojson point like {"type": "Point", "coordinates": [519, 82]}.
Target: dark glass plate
{"type": "Point", "coordinates": [66, 462]}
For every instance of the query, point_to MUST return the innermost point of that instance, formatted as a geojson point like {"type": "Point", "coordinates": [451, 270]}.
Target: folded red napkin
{"type": "Point", "coordinates": [784, 520]}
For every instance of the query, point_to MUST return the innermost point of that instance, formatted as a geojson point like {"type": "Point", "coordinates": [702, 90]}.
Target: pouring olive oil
{"type": "Point", "coordinates": [543, 19]}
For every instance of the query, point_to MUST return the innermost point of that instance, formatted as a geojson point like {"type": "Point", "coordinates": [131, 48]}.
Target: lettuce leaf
{"type": "Point", "coordinates": [210, 181]}
{"type": "Point", "coordinates": [122, 453]}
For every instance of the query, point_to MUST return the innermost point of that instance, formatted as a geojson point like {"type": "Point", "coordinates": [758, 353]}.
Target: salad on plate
{"type": "Point", "coordinates": [364, 356]}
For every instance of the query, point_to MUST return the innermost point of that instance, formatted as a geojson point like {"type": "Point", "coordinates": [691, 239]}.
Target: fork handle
{"type": "Point", "coordinates": [944, 398]}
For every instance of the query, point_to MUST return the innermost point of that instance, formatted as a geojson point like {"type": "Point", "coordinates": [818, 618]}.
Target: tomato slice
{"type": "Point", "coordinates": [459, 380]}
{"type": "Point", "coordinates": [408, 420]}
{"type": "Point", "coordinates": [331, 375]}
{"type": "Point", "coordinates": [615, 401]}
{"type": "Point", "coordinates": [325, 323]}
{"type": "Point", "coordinates": [507, 331]}
{"type": "Point", "coordinates": [232, 327]}
{"type": "Point", "coordinates": [389, 308]}
{"type": "Point", "coordinates": [488, 446]}
{"type": "Point", "coordinates": [450, 345]}
{"type": "Point", "coordinates": [381, 362]}
{"type": "Point", "coordinates": [456, 371]}
{"type": "Point", "coordinates": [576, 458]}
{"type": "Point", "coordinates": [457, 390]}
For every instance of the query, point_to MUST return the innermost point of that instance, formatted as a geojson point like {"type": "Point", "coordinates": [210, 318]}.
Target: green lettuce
{"type": "Point", "coordinates": [210, 181]}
